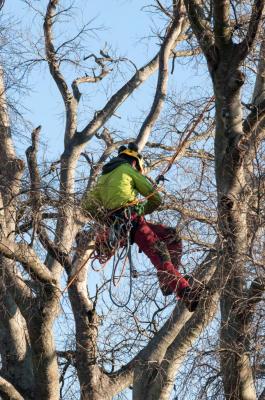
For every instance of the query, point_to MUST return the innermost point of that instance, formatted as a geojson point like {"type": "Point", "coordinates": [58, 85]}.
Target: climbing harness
{"type": "Point", "coordinates": [117, 235]}
{"type": "Point", "coordinates": [114, 241]}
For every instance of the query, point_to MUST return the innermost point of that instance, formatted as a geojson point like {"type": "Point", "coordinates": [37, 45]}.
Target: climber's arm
{"type": "Point", "coordinates": [146, 189]}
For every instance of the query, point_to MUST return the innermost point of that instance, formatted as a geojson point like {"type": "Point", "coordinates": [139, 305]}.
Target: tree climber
{"type": "Point", "coordinates": [115, 191]}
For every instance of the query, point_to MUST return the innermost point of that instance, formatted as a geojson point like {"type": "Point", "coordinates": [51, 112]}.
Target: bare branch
{"type": "Point", "coordinates": [254, 118]}
{"type": "Point", "coordinates": [163, 9]}
{"type": "Point", "coordinates": [51, 52]}
{"type": "Point", "coordinates": [87, 79]}
{"type": "Point", "coordinates": [31, 153]}
{"type": "Point", "coordinates": [253, 27]}
{"type": "Point", "coordinates": [187, 53]}
{"type": "Point", "coordinates": [7, 389]}
{"type": "Point", "coordinates": [26, 226]}
{"type": "Point", "coordinates": [155, 352]}
{"type": "Point", "coordinates": [53, 250]}
{"type": "Point", "coordinates": [254, 294]}
{"type": "Point", "coordinates": [222, 29]}
{"type": "Point", "coordinates": [174, 31]}
{"type": "Point", "coordinates": [116, 100]}
{"type": "Point", "coordinates": [24, 254]}
{"type": "Point", "coordinates": [201, 28]}
{"type": "Point", "coordinates": [175, 205]}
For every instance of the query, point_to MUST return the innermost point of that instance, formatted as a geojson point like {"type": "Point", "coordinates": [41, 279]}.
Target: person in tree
{"type": "Point", "coordinates": [115, 191]}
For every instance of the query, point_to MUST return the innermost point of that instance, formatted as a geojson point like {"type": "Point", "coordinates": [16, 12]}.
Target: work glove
{"type": "Point", "coordinates": [139, 208]}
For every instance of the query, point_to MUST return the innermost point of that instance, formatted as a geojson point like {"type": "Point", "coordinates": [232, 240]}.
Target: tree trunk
{"type": "Point", "coordinates": [232, 208]}
{"type": "Point", "coordinates": [43, 346]}
{"type": "Point", "coordinates": [16, 354]}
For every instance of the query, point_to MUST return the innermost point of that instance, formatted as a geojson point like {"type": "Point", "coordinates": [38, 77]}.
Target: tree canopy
{"type": "Point", "coordinates": [196, 109]}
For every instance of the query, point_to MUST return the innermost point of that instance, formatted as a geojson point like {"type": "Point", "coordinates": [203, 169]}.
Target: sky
{"type": "Point", "coordinates": [119, 24]}
{"type": "Point", "coordinates": [123, 26]}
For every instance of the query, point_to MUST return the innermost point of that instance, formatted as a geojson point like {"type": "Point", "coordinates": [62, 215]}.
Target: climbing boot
{"type": "Point", "coordinates": [166, 290]}
{"type": "Point", "coordinates": [191, 295]}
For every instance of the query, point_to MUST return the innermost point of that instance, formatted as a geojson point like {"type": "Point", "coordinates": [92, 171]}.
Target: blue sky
{"type": "Point", "coordinates": [124, 26]}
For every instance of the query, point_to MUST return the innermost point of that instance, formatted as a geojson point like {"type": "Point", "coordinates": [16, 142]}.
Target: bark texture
{"type": "Point", "coordinates": [225, 59]}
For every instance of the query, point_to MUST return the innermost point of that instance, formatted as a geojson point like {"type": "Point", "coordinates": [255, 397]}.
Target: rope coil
{"type": "Point", "coordinates": [113, 248]}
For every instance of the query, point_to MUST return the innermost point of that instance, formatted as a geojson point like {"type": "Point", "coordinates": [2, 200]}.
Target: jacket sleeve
{"type": "Point", "coordinates": [146, 189]}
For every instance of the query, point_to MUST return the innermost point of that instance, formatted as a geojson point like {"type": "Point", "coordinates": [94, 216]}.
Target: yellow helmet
{"type": "Point", "coordinates": [132, 151]}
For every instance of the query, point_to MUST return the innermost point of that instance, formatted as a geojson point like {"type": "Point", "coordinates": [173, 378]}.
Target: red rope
{"type": "Point", "coordinates": [104, 259]}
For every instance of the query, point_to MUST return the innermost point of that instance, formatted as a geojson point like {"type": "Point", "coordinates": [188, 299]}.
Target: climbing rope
{"type": "Point", "coordinates": [115, 280]}
{"type": "Point", "coordinates": [126, 254]}
{"type": "Point", "coordinates": [160, 177]}
{"type": "Point", "coordinates": [108, 244]}
{"type": "Point", "coordinates": [126, 257]}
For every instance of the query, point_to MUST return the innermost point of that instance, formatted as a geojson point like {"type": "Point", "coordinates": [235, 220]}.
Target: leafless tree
{"type": "Point", "coordinates": [60, 335]}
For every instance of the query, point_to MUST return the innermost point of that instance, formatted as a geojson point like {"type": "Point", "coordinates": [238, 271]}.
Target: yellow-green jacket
{"type": "Point", "coordinates": [119, 186]}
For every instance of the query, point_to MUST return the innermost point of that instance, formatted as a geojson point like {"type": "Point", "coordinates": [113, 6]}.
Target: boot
{"type": "Point", "coordinates": [166, 290]}
{"type": "Point", "coordinates": [191, 296]}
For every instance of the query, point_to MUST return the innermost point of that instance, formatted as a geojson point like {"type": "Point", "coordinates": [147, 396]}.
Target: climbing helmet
{"type": "Point", "coordinates": [132, 151]}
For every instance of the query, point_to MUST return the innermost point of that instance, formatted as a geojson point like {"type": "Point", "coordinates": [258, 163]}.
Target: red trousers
{"type": "Point", "coordinates": [164, 249]}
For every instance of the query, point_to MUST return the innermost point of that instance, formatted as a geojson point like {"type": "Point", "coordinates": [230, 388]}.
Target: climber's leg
{"type": "Point", "coordinates": [170, 279]}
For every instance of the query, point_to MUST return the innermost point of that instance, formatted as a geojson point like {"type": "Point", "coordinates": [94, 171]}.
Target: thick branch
{"type": "Point", "coordinates": [253, 27]}
{"type": "Point", "coordinates": [54, 250]}
{"type": "Point", "coordinates": [161, 388]}
{"type": "Point", "coordinates": [69, 100]}
{"type": "Point", "coordinates": [51, 53]}
{"type": "Point", "coordinates": [86, 322]}
{"type": "Point", "coordinates": [116, 100]}
{"type": "Point", "coordinates": [259, 89]}
{"type": "Point", "coordinates": [11, 167]}
{"type": "Point", "coordinates": [31, 153]}
{"type": "Point", "coordinates": [161, 90]}
{"type": "Point", "coordinates": [253, 120]}
{"type": "Point", "coordinates": [24, 254]}
{"type": "Point", "coordinates": [17, 287]}
{"type": "Point", "coordinates": [7, 389]}
{"type": "Point", "coordinates": [201, 28]}
{"type": "Point", "coordinates": [222, 30]}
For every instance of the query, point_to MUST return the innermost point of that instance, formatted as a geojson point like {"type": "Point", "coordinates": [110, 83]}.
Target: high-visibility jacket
{"type": "Point", "coordinates": [118, 188]}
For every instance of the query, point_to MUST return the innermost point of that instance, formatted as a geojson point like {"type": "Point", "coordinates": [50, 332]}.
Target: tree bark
{"type": "Point", "coordinates": [224, 61]}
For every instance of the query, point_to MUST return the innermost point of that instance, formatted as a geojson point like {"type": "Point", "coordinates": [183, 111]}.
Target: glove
{"type": "Point", "coordinates": [139, 208]}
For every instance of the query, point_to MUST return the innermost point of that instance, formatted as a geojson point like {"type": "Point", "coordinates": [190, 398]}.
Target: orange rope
{"type": "Point", "coordinates": [191, 130]}
{"type": "Point", "coordinates": [77, 272]}
{"type": "Point", "coordinates": [173, 158]}
{"type": "Point", "coordinates": [164, 171]}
